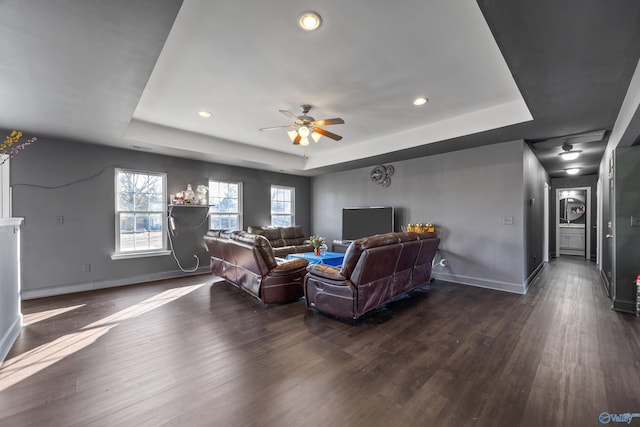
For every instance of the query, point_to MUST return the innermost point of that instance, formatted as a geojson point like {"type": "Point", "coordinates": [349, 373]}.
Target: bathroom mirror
{"type": "Point", "coordinates": [571, 206]}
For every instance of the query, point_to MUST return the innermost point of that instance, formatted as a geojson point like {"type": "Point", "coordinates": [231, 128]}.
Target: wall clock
{"type": "Point", "coordinates": [381, 175]}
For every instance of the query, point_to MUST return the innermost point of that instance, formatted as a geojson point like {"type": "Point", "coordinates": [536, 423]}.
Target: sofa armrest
{"type": "Point", "coordinates": [289, 266]}
{"type": "Point", "coordinates": [327, 272]}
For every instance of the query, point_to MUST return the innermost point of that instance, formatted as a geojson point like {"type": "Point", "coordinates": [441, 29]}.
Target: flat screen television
{"type": "Point", "coordinates": [364, 222]}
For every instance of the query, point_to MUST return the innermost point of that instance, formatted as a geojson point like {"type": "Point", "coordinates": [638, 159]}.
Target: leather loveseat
{"type": "Point", "coordinates": [246, 260]}
{"type": "Point", "coordinates": [375, 270]}
{"type": "Point", "coordinates": [284, 240]}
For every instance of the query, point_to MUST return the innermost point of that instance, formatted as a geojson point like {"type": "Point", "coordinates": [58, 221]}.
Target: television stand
{"type": "Point", "coordinates": [340, 246]}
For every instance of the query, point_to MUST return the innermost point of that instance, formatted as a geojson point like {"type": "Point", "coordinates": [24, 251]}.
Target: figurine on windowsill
{"type": "Point", "coordinates": [201, 197]}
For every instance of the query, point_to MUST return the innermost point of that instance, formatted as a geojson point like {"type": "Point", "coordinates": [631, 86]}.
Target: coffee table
{"type": "Point", "coordinates": [328, 258]}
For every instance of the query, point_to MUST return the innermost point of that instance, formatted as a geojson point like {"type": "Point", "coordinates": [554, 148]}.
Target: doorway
{"type": "Point", "coordinates": [573, 221]}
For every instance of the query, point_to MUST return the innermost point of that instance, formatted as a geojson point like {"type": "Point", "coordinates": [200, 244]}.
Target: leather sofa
{"type": "Point", "coordinates": [247, 261]}
{"type": "Point", "coordinates": [284, 240]}
{"type": "Point", "coordinates": [375, 270]}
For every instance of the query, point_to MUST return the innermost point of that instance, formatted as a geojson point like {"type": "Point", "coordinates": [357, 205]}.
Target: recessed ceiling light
{"type": "Point", "coordinates": [420, 101]}
{"type": "Point", "coordinates": [204, 114]}
{"type": "Point", "coordinates": [572, 171]}
{"type": "Point", "coordinates": [310, 21]}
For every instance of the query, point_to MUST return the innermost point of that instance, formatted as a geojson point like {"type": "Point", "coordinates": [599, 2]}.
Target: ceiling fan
{"type": "Point", "coordinates": [306, 126]}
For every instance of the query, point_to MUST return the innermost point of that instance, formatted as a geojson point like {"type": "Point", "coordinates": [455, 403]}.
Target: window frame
{"type": "Point", "coordinates": [140, 253]}
{"type": "Point", "coordinates": [292, 213]}
{"type": "Point", "coordinates": [213, 213]}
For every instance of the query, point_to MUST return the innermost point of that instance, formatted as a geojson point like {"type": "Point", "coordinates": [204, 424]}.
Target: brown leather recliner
{"type": "Point", "coordinates": [375, 270]}
{"type": "Point", "coordinates": [247, 261]}
{"type": "Point", "coordinates": [284, 240]}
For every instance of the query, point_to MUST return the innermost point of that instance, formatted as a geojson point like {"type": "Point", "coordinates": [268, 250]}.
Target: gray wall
{"type": "Point", "coordinates": [627, 237]}
{"type": "Point", "coordinates": [52, 254]}
{"type": "Point", "coordinates": [468, 194]}
{"type": "Point", "coordinates": [573, 182]}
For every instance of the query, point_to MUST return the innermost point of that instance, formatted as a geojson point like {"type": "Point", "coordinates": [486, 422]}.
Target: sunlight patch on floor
{"type": "Point", "coordinates": [32, 318]}
{"type": "Point", "coordinates": [24, 365]}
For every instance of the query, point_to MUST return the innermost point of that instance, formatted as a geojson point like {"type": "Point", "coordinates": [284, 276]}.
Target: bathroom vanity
{"type": "Point", "coordinates": [572, 239]}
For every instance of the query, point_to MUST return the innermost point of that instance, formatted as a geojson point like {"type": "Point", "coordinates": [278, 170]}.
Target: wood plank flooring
{"type": "Point", "coordinates": [193, 352]}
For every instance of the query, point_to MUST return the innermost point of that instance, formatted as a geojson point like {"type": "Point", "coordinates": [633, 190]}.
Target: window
{"type": "Point", "coordinates": [282, 203]}
{"type": "Point", "coordinates": [225, 199]}
{"type": "Point", "coordinates": [140, 212]}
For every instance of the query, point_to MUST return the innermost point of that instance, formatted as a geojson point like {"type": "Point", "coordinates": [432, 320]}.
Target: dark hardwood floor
{"type": "Point", "coordinates": [191, 352]}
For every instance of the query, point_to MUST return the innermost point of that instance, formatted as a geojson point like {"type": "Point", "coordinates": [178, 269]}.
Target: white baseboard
{"type": "Point", "coordinates": [516, 288]}
{"type": "Point", "coordinates": [532, 276]}
{"type": "Point", "coordinates": [104, 284]}
{"type": "Point", "coordinates": [10, 337]}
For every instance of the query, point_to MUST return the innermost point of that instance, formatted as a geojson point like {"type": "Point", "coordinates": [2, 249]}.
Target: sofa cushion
{"type": "Point", "coordinates": [293, 232]}
{"type": "Point", "coordinates": [294, 242]}
{"type": "Point", "coordinates": [273, 234]}
{"type": "Point", "coordinates": [260, 243]}
{"type": "Point", "coordinates": [293, 264]}
{"type": "Point", "coordinates": [326, 271]}
{"type": "Point", "coordinates": [283, 251]}
{"type": "Point", "coordinates": [355, 249]}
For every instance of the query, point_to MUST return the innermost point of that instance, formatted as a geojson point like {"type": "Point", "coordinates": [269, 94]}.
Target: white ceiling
{"type": "Point", "coordinates": [245, 60]}
{"type": "Point", "coordinates": [134, 74]}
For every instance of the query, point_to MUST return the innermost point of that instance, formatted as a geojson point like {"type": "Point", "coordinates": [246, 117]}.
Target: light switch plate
{"type": "Point", "coordinates": [507, 220]}
{"type": "Point", "coordinates": [635, 220]}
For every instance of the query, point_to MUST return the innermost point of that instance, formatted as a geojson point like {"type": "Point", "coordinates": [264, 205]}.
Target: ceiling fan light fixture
{"type": "Point", "coordinates": [292, 134]}
{"type": "Point", "coordinates": [306, 126]}
{"type": "Point", "coordinates": [572, 171]}
{"type": "Point", "coordinates": [303, 131]}
{"type": "Point", "coordinates": [310, 21]}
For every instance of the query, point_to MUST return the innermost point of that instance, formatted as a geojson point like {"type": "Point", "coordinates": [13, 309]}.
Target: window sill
{"type": "Point", "coordinates": [129, 255]}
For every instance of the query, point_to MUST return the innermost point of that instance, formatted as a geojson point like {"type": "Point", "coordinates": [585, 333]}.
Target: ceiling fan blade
{"type": "Point", "coordinates": [291, 116]}
{"type": "Point", "coordinates": [327, 134]}
{"type": "Point", "coordinates": [336, 121]}
{"type": "Point", "coordinates": [279, 127]}
{"type": "Point", "coordinates": [296, 140]}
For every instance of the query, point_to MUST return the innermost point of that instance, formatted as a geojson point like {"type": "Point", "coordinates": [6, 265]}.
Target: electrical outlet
{"type": "Point", "coordinates": [59, 220]}
{"type": "Point", "coordinates": [507, 220]}
{"type": "Point", "coordinates": [86, 268]}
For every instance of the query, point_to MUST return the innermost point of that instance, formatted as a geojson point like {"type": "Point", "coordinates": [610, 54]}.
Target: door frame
{"type": "Point", "coordinates": [545, 237]}
{"type": "Point", "coordinates": [587, 225]}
